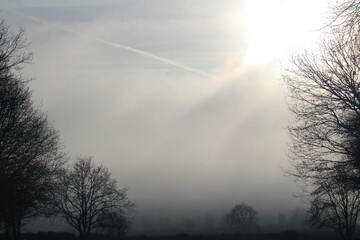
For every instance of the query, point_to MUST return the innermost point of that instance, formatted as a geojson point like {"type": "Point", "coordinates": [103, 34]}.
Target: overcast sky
{"type": "Point", "coordinates": [182, 100]}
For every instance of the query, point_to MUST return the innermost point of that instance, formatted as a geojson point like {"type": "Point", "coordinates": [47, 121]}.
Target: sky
{"type": "Point", "coordinates": [182, 100]}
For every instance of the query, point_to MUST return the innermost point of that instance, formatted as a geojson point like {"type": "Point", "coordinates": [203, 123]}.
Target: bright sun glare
{"type": "Point", "coordinates": [278, 26]}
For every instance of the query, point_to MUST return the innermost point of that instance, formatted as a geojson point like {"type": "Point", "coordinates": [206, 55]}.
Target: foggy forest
{"type": "Point", "coordinates": [158, 119]}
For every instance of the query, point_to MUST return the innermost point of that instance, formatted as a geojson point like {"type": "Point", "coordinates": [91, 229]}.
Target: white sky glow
{"type": "Point", "coordinates": [277, 27]}
{"type": "Point", "coordinates": [182, 100]}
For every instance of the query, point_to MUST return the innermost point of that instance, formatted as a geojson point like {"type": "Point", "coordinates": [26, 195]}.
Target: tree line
{"type": "Point", "coordinates": [35, 178]}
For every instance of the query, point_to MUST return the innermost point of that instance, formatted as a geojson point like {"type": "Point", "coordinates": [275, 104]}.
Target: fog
{"type": "Point", "coordinates": [169, 96]}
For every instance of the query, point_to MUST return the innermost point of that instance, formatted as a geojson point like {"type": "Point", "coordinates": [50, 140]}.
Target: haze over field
{"type": "Point", "coordinates": [182, 100]}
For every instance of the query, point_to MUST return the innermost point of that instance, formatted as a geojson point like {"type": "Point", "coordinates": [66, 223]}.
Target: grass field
{"type": "Point", "coordinates": [286, 235]}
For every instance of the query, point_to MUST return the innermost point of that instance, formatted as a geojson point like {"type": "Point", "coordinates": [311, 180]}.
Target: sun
{"type": "Point", "coordinates": [276, 27]}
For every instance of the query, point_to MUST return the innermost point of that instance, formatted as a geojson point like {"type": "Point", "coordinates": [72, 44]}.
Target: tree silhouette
{"type": "Point", "coordinates": [188, 224]}
{"type": "Point", "coordinates": [164, 223]}
{"type": "Point", "coordinates": [324, 91]}
{"type": "Point", "coordinates": [88, 198]}
{"type": "Point", "coordinates": [335, 204]}
{"type": "Point", "coordinates": [346, 19]}
{"type": "Point", "coordinates": [209, 221]}
{"type": "Point", "coordinates": [30, 153]}
{"type": "Point", "coordinates": [282, 219]}
{"type": "Point", "coordinates": [242, 217]}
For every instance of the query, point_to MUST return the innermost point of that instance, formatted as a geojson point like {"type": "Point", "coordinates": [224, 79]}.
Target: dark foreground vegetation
{"type": "Point", "coordinates": [286, 235]}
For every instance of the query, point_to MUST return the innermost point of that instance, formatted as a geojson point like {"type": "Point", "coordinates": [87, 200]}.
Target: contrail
{"type": "Point", "coordinates": [127, 48]}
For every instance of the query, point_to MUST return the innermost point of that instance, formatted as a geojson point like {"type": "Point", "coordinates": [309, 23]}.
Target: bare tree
{"type": "Point", "coordinates": [281, 219]}
{"type": "Point", "coordinates": [30, 152]}
{"type": "Point", "coordinates": [335, 204]}
{"type": "Point", "coordinates": [346, 19]}
{"type": "Point", "coordinates": [115, 223]}
{"type": "Point", "coordinates": [164, 223]}
{"type": "Point", "coordinates": [13, 54]}
{"type": "Point", "coordinates": [324, 90]}
{"type": "Point", "coordinates": [90, 199]}
{"type": "Point", "coordinates": [242, 217]}
{"type": "Point", "coordinates": [297, 217]}
{"type": "Point", "coordinates": [188, 224]}
{"type": "Point", "coordinates": [147, 223]}
{"type": "Point", "coordinates": [208, 221]}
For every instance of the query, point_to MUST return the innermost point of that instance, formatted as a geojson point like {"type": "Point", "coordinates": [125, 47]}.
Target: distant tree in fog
{"type": "Point", "coordinates": [281, 219]}
{"type": "Point", "coordinates": [115, 223]}
{"type": "Point", "coordinates": [88, 198]}
{"type": "Point", "coordinates": [209, 221]}
{"type": "Point", "coordinates": [297, 217]}
{"type": "Point", "coordinates": [164, 223]}
{"type": "Point", "coordinates": [224, 221]}
{"type": "Point", "coordinates": [242, 217]}
{"type": "Point", "coordinates": [188, 224]}
{"type": "Point", "coordinates": [147, 223]}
